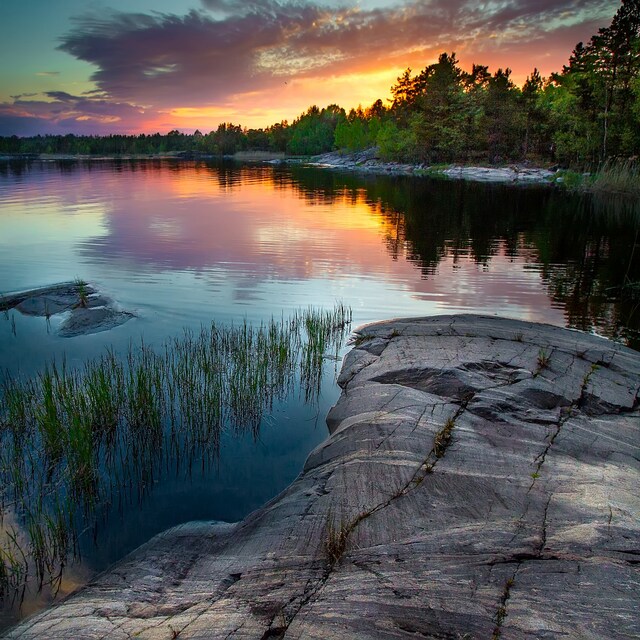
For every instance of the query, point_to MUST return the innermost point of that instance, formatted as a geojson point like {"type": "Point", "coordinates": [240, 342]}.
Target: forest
{"type": "Point", "coordinates": [579, 117]}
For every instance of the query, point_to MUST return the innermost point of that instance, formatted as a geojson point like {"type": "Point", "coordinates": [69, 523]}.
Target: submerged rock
{"type": "Point", "coordinates": [90, 311]}
{"type": "Point", "coordinates": [92, 320]}
{"type": "Point", "coordinates": [480, 481]}
{"type": "Point", "coordinates": [47, 300]}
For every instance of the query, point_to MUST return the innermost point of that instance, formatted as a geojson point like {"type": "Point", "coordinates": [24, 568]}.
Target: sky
{"type": "Point", "coordinates": [141, 66]}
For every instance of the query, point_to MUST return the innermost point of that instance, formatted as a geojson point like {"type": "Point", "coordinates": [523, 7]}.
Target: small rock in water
{"type": "Point", "coordinates": [93, 320]}
{"type": "Point", "coordinates": [44, 305]}
{"type": "Point", "coordinates": [90, 311]}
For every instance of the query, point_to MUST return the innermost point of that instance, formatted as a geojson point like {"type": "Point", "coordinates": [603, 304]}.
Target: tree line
{"type": "Point", "coordinates": [578, 117]}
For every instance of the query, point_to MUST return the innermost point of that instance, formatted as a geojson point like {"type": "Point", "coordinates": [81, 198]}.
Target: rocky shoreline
{"type": "Point", "coordinates": [366, 161]}
{"type": "Point", "coordinates": [369, 162]}
{"type": "Point", "coordinates": [480, 481]}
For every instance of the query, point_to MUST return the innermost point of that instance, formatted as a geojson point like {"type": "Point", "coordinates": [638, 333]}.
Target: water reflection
{"type": "Point", "coordinates": [181, 244]}
{"type": "Point", "coordinates": [201, 219]}
{"type": "Point", "coordinates": [250, 234]}
{"type": "Point", "coordinates": [582, 248]}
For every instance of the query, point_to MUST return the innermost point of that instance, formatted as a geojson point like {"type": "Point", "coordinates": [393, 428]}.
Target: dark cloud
{"type": "Point", "coordinates": [24, 95]}
{"type": "Point", "coordinates": [62, 96]}
{"type": "Point", "coordinates": [233, 47]}
{"type": "Point", "coordinates": [64, 113]}
{"type": "Point", "coordinates": [157, 58]}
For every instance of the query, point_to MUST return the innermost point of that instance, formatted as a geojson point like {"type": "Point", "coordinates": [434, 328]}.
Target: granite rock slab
{"type": "Point", "coordinates": [369, 161]}
{"type": "Point", "coordinates": [500, 174]}
{"type": "Point", "coordinates": [480, 482]}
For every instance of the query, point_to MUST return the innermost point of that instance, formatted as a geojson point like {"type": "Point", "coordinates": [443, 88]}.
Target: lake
{"type": "Point", "coordinates": [180, 244]}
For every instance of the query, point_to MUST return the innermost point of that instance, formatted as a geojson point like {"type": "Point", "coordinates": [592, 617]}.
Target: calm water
{"type": "Point", "coordinates": [180, 244]}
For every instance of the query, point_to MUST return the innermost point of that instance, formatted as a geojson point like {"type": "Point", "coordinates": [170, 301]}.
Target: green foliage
{"type": "Point", "coordinates": [360, 129]}
{"type": "Point", "coordinates": [395, 143]}
{"type": "Point", "coordinates": [602, 76]}
{"type": "Point", "coordinates": [534, 114]}
{"type": "Point", "coordinates": [227, 139]}
{"type": "Point", "coordinates": [440, 116]}
{"type": "Point", "coordinates": [278, 135]}
{"type": "Point", "coordinates": [314, 131]}
{"type": "Point", "coordinates": [351, 135]}
{"type": "Point", "coordinates": [503, 119]}
{"type": "Point", "coordinates": [572, 180]}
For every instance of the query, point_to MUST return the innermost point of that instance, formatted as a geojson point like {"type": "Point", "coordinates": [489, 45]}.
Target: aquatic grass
{"type": "Point", "coordinates": [571, 180]}
{"type": "Point", "coordinates": [73, 441]}
{"type": "Point", "coordinates": [47, 415]}
{"type": "Point", "coordinates": [13, 567]}
{"type": "Point", "coordinates": [104, 393]}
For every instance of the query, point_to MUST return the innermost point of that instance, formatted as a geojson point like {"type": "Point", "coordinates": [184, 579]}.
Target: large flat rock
{"type": "Point", "coordinates": [481, 481]}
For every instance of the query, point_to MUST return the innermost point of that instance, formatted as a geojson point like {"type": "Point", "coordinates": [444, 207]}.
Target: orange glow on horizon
{"type": "Point", "coordinates": [353, 89]}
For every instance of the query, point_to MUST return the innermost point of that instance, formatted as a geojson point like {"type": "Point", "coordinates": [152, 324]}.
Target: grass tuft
{"type": "Point", "coordinates": [83, 293]}
{"type": "Point", "coordinates": [336, 539]}
{"type": "Point", "coordinates": [543, 360]}
{"type": "Point", "coordinates": [501, 612]}
{"type": "Point", "coordinates": [443, 438]}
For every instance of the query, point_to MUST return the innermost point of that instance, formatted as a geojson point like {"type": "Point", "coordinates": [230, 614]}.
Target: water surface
{"type": "Point", "coordinates": [180, 244]}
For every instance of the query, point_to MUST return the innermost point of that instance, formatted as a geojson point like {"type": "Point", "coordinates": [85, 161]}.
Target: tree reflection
{"type": "Point", "coordinates": [585, 248]}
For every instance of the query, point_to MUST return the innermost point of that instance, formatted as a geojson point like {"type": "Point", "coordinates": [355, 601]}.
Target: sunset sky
{"type": "Point", "coordinates": [133, 66]}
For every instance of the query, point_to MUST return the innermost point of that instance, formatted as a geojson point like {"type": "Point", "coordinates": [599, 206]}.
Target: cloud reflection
{"type": "Point", "coordinates": [280, 238]}
{"type": "Point", "coordinates": [249, 226]}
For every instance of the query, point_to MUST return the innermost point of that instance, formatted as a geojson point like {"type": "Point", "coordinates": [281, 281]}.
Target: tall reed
{"type": "Point", "coordinates": [618, 177]}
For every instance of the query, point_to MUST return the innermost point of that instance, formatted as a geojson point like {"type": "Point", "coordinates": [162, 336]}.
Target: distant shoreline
{"type": "Point", "coordinates": [365, 161]}
{"type": "Point", "coordinates": [242, 156]}
{"type": "Point", "coordinates": [57, 157]}
{"type": "Point", "coordinates": [369, 162]}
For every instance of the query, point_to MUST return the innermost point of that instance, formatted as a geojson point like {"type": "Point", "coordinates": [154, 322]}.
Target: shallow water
{"type": "Point", "coordinates": [180, 244]}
